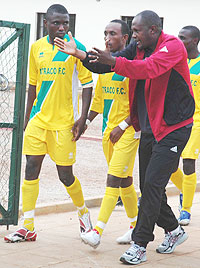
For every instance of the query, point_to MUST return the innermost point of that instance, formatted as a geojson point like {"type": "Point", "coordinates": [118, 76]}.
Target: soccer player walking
{"type": "Point", "coordinates": [51, 121]}
{"type": "Point", "coordinates": [120, 142]}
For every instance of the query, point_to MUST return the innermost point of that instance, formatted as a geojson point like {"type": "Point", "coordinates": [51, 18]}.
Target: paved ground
{"type": "Point", "coordinates": [58, 243]}
{"type": "Point", "coordinates": [59, 246]}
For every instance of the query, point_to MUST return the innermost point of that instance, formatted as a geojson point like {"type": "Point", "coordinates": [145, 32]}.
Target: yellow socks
{"type": "Point", "coordinates": [189, 187]}
{"type": "Point", "coordinates": [76, 194]}
{"type": "Point", "coordinates": [129, 199]}
{"type": "Point", "coordinates": [30, 191]}
{"type": "Point", "coordinates": [177, 179]}
{"type": "Point", "coordinates": [108, 204]}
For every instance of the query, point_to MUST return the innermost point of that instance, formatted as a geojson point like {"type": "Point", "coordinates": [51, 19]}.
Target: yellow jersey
{"type": "Point", "coordinates": [111, 99]}
{"type": "Point", "coordinates": [55, 75]}
{"type": "Point", "coordinates": [194, 67]}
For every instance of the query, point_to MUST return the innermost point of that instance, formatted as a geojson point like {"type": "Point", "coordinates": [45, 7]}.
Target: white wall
{"type": "Point", "coordinates": [92, 16]}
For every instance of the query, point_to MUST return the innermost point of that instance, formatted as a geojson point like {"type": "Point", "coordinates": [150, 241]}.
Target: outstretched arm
{"type": "Point", "coordinates": [70, 47]}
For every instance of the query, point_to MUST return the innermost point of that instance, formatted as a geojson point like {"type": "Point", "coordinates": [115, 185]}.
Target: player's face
{"type": "Point", "coordinates": [115, 41]}
{"type": "Point", "coordinates": [57, 25]}
{"type": "Point", "coordinates": [186, 38]}
{"type": "Point", "coordinates": [141, 33]}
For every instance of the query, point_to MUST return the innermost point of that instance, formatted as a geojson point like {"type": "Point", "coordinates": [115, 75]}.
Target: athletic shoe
{"type": "Point", "coordinates": [171, 241]}
{"type": "Point", "coordinates": [126, 238]}
{"type": "Point", "coordinates": [21, 235]}
{"type": "Point", "coordinates": [134, 255]}
{"type": "Point", "coordinates": [184, 218]}
{"type": "Point", "coordinates": [85, 223]}
{"type": "Point", "coordinates": [119, 202]}
{"type": "Point", "coordinates": [92, 238]}
{"type": "Point", "coordinates": [180, 202]}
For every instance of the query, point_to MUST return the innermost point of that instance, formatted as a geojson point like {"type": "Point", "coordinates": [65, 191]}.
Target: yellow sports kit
{"type": "Point", "coordinates": [56, 76]}
{"type": "Point", "coordinates": [112, 100]}
{"type": "Point", "coordinates": [192, 148]}
{"type": "Point", "coordinates": [187, 183]}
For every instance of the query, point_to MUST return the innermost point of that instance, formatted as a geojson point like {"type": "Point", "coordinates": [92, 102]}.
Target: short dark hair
{"type": "Point", "coordinates": [55, 8]}
{"type": "Point", "coordinates": [195, 32]}
{"type": "Point", "coordinates": [150, 18]}
{"type": "Point", "coordinates": [124, 26]}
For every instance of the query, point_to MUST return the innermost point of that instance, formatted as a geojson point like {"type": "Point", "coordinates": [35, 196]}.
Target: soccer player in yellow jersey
{"type": "Point", "coordinates": [186, 180]}
{"type": "Point", "coordinates": [51, 121]}
{"type": "Point", "coordinates": [119, 139]}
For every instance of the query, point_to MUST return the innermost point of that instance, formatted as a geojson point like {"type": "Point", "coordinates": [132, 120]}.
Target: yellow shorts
{"type": "Point", "coordinates": [192, 148]}
{"type": "Point", "coordinates": [58, 144]}
{"type": "Point", "coordinates": [120, 156]}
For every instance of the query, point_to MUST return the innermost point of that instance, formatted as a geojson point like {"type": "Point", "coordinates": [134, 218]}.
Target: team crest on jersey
{"type": "Point", "coordinates": [41, 54]}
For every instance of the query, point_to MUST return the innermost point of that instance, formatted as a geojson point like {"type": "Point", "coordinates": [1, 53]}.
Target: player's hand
{"type": "Point", "coordinates": [78, 128]}
{"type": "Point", "coordinates": [66, 47]}
{"type": "Point", "coordinates": [102, 56]}
{"type": "Point", "coordinates": [116, 134]}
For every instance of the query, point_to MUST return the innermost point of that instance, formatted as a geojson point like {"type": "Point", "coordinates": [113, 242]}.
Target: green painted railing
{"type": "Point", "coordinates": [19, 33]}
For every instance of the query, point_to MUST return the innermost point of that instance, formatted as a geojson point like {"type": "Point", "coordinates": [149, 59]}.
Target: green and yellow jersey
{"type": "Point", "coordinates": [194, 66]}
{"type": "Point", "coordinates": [111, 99]}
{"type": "Point", "coordinates": [55, 75]}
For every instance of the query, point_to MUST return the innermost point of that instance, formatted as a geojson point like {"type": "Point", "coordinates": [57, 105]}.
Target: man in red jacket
{"type": "Point", "coordinates": [161, 106]}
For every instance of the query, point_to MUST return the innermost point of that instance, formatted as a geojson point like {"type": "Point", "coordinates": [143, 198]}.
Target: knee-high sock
{"type": "Point", "coordinates": [76, 194]}
{"type": "Point", "coordinates": [189, 187]}
{"type": "Point", "coordinates": [108, 204]}
{"type": "Point", "coordinates": [30, 191]}
{"type": "Point", "coordinates": [129, 199]}
{"type": "Point", "coordinates": [177, 179]}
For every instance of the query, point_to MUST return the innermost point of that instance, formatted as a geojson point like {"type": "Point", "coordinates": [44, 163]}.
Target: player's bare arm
{"type": "Point", "coordinates": [90, 118]}
{"type": "Point", "coordinates": [79, 125]}
{"type": "Point", "coordinates": [69, 47]}
{"type": "Point", "coordinates": [29, 105]}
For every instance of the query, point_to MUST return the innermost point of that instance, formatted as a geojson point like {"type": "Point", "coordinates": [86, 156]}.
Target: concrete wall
{"type": "Point", "coordinates": [93, 15]}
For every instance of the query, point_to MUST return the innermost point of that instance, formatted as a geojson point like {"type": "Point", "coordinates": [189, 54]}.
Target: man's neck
{"type": "Point", "coordinates": [193, 54]}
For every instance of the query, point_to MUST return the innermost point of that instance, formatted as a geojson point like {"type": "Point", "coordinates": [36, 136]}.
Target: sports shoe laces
{"type": "Point", "coordinates": [170, 238]}
{"type": "Point", "coordinates": [135, 249]}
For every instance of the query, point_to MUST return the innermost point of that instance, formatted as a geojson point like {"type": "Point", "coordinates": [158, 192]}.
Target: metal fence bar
{"type": "Point", "coordinates": [10, 215]}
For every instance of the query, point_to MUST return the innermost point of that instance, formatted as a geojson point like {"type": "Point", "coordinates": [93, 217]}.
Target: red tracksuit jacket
{"type": "Point", "coordinates": [168, 91]}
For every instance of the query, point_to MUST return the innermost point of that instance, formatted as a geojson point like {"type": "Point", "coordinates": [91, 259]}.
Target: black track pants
{"type": "Point", "coordinates": [157, 161]}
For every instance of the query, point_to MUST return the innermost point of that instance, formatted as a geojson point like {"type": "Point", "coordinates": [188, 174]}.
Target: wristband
{"type": "Point", "coordinates": [87, 122]}
{"type": "Point", "coordinates": [123, 125]}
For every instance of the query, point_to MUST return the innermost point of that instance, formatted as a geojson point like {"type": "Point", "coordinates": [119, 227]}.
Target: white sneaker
{"type": "Point", "coordinates": [92, 238]}
{"type": "Point", "coordinates": [126, 238]}
{"type": "Point", "coordinates": [171, 241]}
{"type": "Point", "coordinates": [85, 223]}
{"type": "Point", "coordinates": [134, 255]}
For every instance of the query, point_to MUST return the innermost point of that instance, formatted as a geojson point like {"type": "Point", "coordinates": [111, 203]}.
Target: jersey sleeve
{"type": "Point", "coordinates": [84, 75]}
{"type": "Point", "coordinates": [97, 102]}
{"type": "Point", "coordinates": [33, 72]}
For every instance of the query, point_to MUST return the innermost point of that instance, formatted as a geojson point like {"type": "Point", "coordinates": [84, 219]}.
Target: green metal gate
{"type": "Point", "coordinates": [14, 43]}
